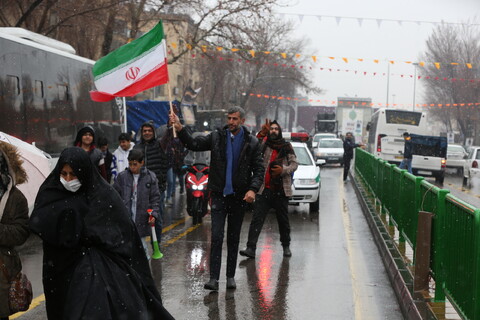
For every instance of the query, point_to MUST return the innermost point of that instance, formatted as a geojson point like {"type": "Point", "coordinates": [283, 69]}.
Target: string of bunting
{"type": "Point", "coordinates": [363, 104]}
{"type": "Point", "coordinates": [317, 58]}
{"type": "Point", "coordinates": [356, 72]}
{"type": "Point", "coordinates": [379, 21]}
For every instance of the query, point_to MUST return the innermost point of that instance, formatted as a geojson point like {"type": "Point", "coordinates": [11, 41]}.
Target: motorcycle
{"type": "Point", "coordinates": [196, 181]}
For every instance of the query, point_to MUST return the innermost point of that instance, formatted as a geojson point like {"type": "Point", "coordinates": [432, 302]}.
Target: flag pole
{"type": "Point", "coordinates": [124, 114]}
{"type": "Point", "coordinates": [171, 107]}
{"type": "Point", "coordinates": [168, 88]}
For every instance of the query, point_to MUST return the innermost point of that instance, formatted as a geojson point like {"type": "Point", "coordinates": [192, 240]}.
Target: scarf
{"type": "Point", "coordinates": [234, 147]}
{"type": "Point", "coordinates": [281, 150]}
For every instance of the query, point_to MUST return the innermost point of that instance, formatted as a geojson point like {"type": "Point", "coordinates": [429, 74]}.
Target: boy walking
{"type": "Point", "coordinates": [138, 188]}
{"type": "Point", "coordinates": [120, 155]}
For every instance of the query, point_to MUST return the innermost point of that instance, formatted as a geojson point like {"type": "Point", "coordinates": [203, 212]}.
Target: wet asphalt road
{"type": "Point", "coordinates": [335, 271]}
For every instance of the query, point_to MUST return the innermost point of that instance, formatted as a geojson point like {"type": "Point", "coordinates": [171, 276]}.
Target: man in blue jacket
{"type": "Point", "coordinates": [235, 176]}
{"type": "Point", "coordinates": [407, 153]}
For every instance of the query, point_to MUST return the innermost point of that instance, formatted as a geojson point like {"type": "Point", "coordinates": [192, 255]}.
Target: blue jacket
{"type": "Point", "coordinates": [148, 197]}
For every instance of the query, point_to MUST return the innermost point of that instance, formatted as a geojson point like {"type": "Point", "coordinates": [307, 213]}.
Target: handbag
{"type": "Point", "coordinates": [20, 293]}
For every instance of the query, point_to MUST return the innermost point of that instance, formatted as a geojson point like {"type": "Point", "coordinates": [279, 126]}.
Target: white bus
{"type": "Point", "coordinates": [385, 132]}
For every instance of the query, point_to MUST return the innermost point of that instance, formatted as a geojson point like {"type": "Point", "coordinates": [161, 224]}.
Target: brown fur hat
{"type": "Point", "coordinates": [12, 156]}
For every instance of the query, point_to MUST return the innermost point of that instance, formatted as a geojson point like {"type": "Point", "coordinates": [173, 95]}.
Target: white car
{"type": "Point", "coordinates": [306, 179]}
{"type": "Point", "coordinates": [320, 136]}
{"type": "Point", "coordinates": [330, 150]}
{"type": "Point", "coordinates": [456, 155]}
{"type": "Point", "coordinates": [471, 168]}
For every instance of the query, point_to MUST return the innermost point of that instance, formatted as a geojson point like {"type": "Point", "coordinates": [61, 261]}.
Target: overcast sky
{"type": "Point", "coordinates": [331, 37]}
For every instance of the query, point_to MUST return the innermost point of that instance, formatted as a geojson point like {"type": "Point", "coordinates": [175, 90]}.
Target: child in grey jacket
{"type": "Point", "coordinates": [138, 188]}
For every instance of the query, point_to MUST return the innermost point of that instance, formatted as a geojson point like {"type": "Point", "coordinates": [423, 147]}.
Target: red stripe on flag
{"type": "Point", "coordinates": [156, 77]}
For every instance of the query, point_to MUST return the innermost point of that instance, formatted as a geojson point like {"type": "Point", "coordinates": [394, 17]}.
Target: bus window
{"type": "Point", "coordinates": [13, 84]}
{"type": "Point", "coordinates": [62, 91]}
{"type": "Point", "coordinates": [403, 117]}
{"type": "Point", "coordinates": [39, 88]}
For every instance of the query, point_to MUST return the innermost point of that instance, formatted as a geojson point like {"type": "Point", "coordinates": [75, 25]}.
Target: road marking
{"type": "Point", "coordinates": [169, 242]}
{"type": "Point", "coordinates": [173, 225]}
{"type": "Point", "coordinates": [347, 225]}
{"type": "Point", "coordinates": [35, 303]}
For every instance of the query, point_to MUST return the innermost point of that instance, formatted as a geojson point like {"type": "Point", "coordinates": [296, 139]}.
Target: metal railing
{"type": "Point", "coordinates": [455, 238]}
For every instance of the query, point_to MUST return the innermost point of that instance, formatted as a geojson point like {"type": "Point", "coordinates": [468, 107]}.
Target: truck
{"type": "Point", "coordinates": [326, 123]}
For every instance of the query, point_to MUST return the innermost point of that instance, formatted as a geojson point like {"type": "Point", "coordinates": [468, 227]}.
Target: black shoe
{"type": "Point", "coordinates": [212, 284]}
{"type": "Point", "coordinates": [231, 283]}
{"type": "Point", "coordinates": [248, 252]}
{"type": "Point", "coordinates": [287, 252]}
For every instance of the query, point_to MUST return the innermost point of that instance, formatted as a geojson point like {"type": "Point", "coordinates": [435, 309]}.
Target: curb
{"type": "Point", "coordinates": [400, 276]}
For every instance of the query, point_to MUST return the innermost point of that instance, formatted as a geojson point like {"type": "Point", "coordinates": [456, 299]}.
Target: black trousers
{"type": "Point", "coordinates": [346, 167]}
{"type": "Point", "coordinates": [264, 202]}
{"type": "Point", "coordinates": [223, 208]}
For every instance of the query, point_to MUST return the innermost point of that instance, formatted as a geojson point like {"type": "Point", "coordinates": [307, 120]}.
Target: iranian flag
{"type": "Point", "coordinates": [132, 68]}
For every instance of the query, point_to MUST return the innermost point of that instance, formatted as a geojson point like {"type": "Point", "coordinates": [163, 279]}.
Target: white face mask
{"type": "Point", "coordinates": [72, 185]}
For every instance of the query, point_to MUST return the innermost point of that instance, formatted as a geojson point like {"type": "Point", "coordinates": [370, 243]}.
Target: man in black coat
{"type": "Point", "coordinates": [235, 176]}
{"type": "Point", "coordinates": [348, 146]}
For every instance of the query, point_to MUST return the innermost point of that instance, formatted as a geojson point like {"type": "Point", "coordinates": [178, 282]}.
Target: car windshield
{"type": "Point", "coordinates": [323, 136]}
{"type": "Point", "coordinates": [303, 157]}
{"type": "Point", "coordinates": [455, 149]}
{"type": "Point", "coordinates": [331, 143]}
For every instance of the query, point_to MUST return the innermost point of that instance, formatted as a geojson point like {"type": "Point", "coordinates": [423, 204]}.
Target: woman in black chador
{"type": "Point", "coordinates": [94, 265]}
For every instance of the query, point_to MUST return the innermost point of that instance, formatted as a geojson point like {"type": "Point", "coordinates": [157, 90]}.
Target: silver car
{"type": "Point", "coordinates": [456, 155]}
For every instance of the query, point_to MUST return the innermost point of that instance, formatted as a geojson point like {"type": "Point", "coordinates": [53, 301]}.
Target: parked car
{"type": "Point", "coordinates": [471, 167]}
{"type": "Point", "coordinates": [456, 155]}
{"type": "Point", "coordinates": [317, 137]}
{"type": "Point", "coordinates": [306, 179]}
{"type": "Point", "coordinates": [330, 150]}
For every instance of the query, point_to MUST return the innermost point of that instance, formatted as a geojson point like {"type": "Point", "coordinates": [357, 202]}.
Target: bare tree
{"type": "Point", "coordinates": [453, 47]}
{"type": "Point", "coordinates": [254, 70]}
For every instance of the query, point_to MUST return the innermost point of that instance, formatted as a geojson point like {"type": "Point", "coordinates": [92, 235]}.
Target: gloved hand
{"type": "Point", "coordinates": [265, 129]}
{"type": "Point", "coordinates": [276, 170]}
{"type": "Point", "coordinates": [151, 219]}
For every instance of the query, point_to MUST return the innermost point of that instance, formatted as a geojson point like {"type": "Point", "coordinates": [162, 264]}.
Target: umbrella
{"type": "Point", "coordinates": [35, 162]}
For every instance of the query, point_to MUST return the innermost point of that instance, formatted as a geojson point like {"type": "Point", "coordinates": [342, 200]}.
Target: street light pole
{"type": "Point", "coordinates": [388, 82]}
{"type": "Point", "coordinates": [414, 83]}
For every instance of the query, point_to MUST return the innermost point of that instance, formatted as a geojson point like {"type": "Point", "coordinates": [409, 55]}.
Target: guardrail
{"type": "Point", "coordinates": [455, 247]}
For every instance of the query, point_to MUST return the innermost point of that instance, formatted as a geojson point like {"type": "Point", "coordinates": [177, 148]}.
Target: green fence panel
{"type": "Point", "coordinates": [396, 208]}
{"type": "Point", "coordinates": [410, 202]}
{"type": "Point", "coordinates": [461, 256]}
{"type": "Point", "coordinates": [433, 200]}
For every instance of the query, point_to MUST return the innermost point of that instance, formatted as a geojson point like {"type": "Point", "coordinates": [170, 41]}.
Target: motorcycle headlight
{"type": "Point", "coordinates": [194, 187]}
{"type": "Point", "coordinates": [200, 187]}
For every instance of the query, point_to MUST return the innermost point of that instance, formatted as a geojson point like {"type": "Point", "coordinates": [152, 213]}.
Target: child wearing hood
{"type": "Point", "coordinates": [85, 139]}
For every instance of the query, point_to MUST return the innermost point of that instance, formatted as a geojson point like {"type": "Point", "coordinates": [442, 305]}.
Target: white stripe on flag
{"type": "Point", "coordinates": [131, 73]}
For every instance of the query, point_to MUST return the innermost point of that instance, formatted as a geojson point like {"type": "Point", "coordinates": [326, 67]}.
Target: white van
{"type": "Point", "coordinates": [385, 140]}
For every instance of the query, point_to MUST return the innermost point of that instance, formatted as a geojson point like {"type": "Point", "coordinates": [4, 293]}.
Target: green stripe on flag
{"type": "Point", "coordinates": [129, 52]}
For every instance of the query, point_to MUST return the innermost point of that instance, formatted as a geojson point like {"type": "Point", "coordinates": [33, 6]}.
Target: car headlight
{"type": "Point", "coordinates": [194, 187]}
{"type": "Point", "coordinates": [306, 181]}
{"type": "Point", "coordinates": [320, 154]}
{"type": "Point", "coordinates": [200, 187]}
